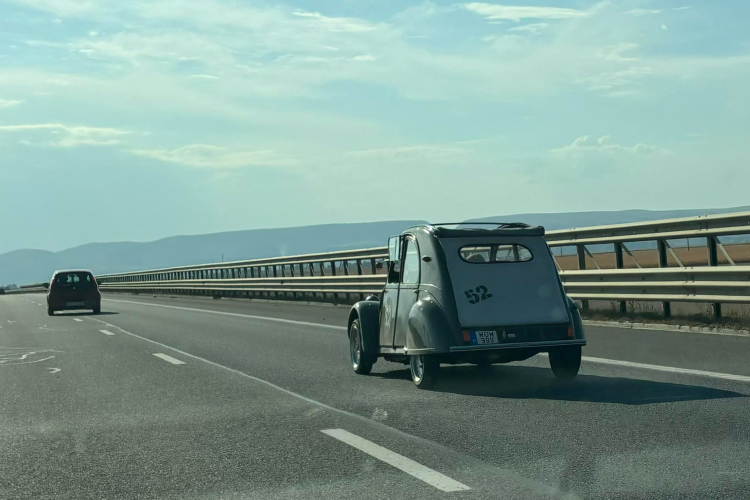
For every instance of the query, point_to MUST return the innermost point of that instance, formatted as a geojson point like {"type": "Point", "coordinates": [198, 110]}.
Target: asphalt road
{"type": "Point", "coordinates": [194, 398]}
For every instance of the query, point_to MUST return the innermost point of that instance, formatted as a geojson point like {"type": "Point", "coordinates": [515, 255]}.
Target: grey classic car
{"type": "Point", "coordinates": [467, 293]}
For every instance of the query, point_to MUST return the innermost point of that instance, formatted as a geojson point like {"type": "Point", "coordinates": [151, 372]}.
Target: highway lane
{"type": "Point", "coordinates": [116, 421]}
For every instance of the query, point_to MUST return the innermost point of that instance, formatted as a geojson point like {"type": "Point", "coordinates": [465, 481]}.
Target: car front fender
{"type": "Point", "coordinates": [368, 313]}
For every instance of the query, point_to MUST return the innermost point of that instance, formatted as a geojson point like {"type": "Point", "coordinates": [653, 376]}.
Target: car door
{"type": "Point", "coordinates": [408, 289]}
{"type": "Point", "coordinates": [390, 292]}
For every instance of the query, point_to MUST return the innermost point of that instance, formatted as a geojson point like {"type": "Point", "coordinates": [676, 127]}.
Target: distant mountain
{"type": "Point", "coordinates": [29, 266]}
{"type": "Point", "coordinates": [554, 221]}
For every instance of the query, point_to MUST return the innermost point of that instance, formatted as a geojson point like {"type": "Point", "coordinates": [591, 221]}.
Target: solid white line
{"type": "Point", "coordinates": [77, 319]}
{"type": "Point", "coordinates": [106, 332]}
{"type": "Point", "coordinates": [630, 364]}
{"type": "Point", "coordinates": [415, 469]}
{"type": "Point", "coordinates": [238, 315]}
{"type": "Point", "coordinates": [169, 359]}
{"type": "Point", "coordinates": [668, 369]}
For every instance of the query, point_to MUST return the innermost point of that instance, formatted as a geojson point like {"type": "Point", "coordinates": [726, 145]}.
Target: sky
{"type": "Point", "coordinates": [140, 119]}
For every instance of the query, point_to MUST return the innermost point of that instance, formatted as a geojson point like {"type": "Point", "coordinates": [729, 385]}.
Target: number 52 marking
{"type": "Point", "coordinates": [477, 295]}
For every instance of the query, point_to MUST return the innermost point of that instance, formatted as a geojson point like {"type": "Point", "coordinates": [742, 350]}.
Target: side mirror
{"type": "Point", "coordinates": [45, 285]}
{"type": "Point", "coordinates": [426, 258]}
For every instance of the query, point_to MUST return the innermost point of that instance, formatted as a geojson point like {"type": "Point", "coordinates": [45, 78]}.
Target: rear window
{"type": "Point", "coordinates": [74, 281]}
{"type": "Point", "coordinates": [488, 254]}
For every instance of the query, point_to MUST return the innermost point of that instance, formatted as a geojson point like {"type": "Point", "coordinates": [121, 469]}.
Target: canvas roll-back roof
{"type": "Point", "coordinates": [481, 229]}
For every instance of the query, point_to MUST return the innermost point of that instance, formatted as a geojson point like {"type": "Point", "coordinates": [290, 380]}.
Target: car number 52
{"type": "Point", "coordinates": [477, 295]}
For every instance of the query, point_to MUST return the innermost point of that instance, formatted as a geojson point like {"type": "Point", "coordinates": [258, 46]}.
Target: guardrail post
{"type": "Point", "coordinates": [345, 266]}
{"type": "Point", "coordinates": [713, 260]}
{"type": "Point", "coordinates": [620, 264]}
{"type": "Point", "coordinates": [360, 273]}
{"type": "Point", "coordinates": [581, 251]}
{"type": "Point", "coordinates": [663, 262]}
{"type": "Point", "coordinates": [333, 273]}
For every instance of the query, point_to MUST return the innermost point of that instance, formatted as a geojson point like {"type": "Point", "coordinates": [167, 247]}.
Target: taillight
{"type": "Point", "coordinates": [571, 331]}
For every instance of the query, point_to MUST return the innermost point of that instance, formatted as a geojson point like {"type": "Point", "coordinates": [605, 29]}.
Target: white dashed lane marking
{"type": "Point", "coordinates": [106, 332]}
{"type": "Point", "coordinates": [415, 469]}
{"type": "Point", "coordinates": [77, 319]}
{"type": "Point", "coordinates": [169, 359]}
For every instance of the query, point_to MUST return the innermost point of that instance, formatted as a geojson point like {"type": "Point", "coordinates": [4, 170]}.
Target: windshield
{"type": "Point", "coordinates": [73, 281]}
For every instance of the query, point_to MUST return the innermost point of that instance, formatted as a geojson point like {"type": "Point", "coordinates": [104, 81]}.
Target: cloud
{"type": "Point", "coordinates": [643, 12]}
{"type": "Point", "coordinates": [684, 7]}
{"type": "Point", "coordinates": [335, 23]}
{"type": "Point", "coordinates": [9, 103]}
{"type": "Point", "coordinates": [588, 145]}
{"type": "Point", "coordinates": [208, 156]}
{"type": "Point", "coordinates": [495, 12]}
{"type": "Point", "coordinates": [614, 83]}
{"type": "Point", "coordinates": [533, 29]}
{"type": "Point", "coordinates": [58, 135]}
{"type": "Point", "coordinates": [664, 27]}
{"type": "Point", "coordinates": [451, 154]}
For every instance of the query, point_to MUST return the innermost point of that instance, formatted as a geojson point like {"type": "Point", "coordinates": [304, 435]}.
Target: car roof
{"type": "Point", "coordinates": [478, 229]}
{"type": "Point", "coordinates": [72, 271]}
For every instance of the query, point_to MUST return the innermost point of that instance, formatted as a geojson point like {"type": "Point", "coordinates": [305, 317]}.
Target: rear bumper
{"type": "Point", "coordinates": [519, 345]}
{"type": "Point", "coordinates": [62, 306]}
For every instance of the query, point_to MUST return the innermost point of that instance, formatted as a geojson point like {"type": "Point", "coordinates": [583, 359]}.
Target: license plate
{"type": "Point", "coordinates": [73, 304]}
{"type": "Point", "coordinates": [484, 337]}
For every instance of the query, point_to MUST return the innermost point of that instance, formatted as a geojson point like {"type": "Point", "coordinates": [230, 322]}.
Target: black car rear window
{"type": "Point", "coordinates": [74, 280]}
{"type": "Point", "coordinates": [488, 254]}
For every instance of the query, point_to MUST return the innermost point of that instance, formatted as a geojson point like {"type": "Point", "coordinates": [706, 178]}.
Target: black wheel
{"type": "Point", "coordinates": [565, 361]}
{"type": "Point", "coordinates": [50, 312]}
{"type": "Point", "coordinates": [424, 370]}
{"type": "Point", "coordinates": [360, 364]}
{"type": "Point", "coordinates": [97, 309]}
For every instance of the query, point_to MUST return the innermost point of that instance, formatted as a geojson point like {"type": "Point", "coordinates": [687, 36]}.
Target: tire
{"type": "Point", "coordinates": [98, 310]}
{"type": "Point", "coordinates": [424, 370]}
{"type": "Point", "coordinates": [50, 312]}
{"type": "Point", "coordinates": [360, 363]}
{"type": "Point", "coordinates": [565, 362]}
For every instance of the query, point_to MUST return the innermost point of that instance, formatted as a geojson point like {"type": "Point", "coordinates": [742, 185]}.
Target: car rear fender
{"type": "Point", "coordinates": [368, 313]}
{"type": "Point", "coordinates": [575, 316]}
{"type": "Point", "coordinates": [429, 327]}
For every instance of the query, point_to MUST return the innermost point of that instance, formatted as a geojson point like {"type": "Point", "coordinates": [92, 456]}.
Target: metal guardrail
{"type": "Point", "coordinates": [334, 276]}
{"type": "Point", "coordinates": [702, 226]}
{"type": "Point", "coordinates": [730, 284]}
{"type": "Point", "coordinates": [32, 285]}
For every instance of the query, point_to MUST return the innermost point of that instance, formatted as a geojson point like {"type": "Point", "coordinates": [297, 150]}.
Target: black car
{"type": "Point", "coordinates": [73, 289]}
{"type": "Point", "coordinates": [467, 293]}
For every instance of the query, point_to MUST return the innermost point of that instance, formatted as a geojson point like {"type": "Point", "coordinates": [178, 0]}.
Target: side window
{"type": "Point", "coordinates": [411, 263]}
{"type": "Point", "coordinates": [394, 259]}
